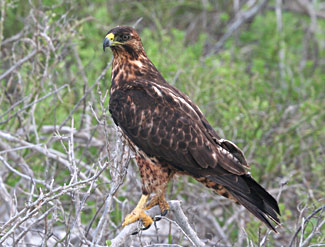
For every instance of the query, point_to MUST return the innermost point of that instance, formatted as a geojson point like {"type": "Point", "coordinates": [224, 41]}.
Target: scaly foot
{"type": "Point", "coordinates": [139, 214]}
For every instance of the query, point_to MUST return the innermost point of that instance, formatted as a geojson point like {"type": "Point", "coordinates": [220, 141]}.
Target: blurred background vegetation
{"type": "Point", "coordinates": [255, 68]}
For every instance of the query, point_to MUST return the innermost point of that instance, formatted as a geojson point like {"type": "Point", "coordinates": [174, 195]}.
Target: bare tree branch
{"type": "Point", "coordinates": [18, 64]}
{"type": "Point", "coordinates": [240, 18]}
{"type": "Point", "coordinates": [304, 222]}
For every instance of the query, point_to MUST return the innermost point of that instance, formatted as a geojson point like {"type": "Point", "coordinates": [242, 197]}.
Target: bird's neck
{"type": "Point", "coordinates": [127, 69]}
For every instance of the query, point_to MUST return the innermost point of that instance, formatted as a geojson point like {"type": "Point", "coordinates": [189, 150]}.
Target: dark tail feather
{"type": "Point", "coordinates": [255, 198]}
{"type": "Point", "coordinates": [256, 209]}
{"type": "Point", "coordinates": [263, 193]}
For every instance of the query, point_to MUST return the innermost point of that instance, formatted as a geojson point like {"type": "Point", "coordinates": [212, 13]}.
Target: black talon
{"type": "Point", "coordinates": [164, 213]}
{"type": "Point", "coordinates": [142, 229]}
{"type": "Point", "coordinates": [157, 218]}
{"type": "Point", "coordinates": [145, 228]}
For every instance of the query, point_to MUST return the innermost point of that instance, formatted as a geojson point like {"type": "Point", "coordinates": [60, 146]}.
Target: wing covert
{"type": "Point", "coordinates": [164, 125]}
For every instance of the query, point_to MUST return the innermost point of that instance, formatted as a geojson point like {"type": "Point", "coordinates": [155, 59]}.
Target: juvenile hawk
{"type": "Point", "coordinates": [170, 135]}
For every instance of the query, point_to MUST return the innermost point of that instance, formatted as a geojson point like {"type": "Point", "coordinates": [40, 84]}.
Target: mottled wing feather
{"type": "Point", "coordinates": [226, 144]}
{"type": "Point", "coordinates": [236, 151]}
{"type": "Point", "coordinates": [160, 122]}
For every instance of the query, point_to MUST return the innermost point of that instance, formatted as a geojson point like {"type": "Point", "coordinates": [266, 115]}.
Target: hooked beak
{"type": "Point", "coordinates": [106, 43]}
{"type": "Point", "coordinates": [110, 41]}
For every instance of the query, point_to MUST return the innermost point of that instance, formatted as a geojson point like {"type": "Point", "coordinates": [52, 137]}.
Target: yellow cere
{"type": "Point", "coordinates": [110, 36]}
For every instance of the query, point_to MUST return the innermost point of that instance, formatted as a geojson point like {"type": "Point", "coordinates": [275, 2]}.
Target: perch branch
{"type": "Point", "coordinates": [180, 219]}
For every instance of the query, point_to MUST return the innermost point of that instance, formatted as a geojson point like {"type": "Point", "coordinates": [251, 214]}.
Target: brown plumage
{"type": "Point", "coordinates": [170, 135]}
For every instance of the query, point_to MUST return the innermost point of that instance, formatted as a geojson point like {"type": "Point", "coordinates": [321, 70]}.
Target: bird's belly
{"type": "Point", "coordinates": [154, 175]}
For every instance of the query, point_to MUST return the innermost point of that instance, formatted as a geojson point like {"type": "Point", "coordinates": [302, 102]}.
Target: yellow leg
{"type": "Point", "coordinates": [159, 200]}
{"type": "Point", "coordinates": [139, 214]}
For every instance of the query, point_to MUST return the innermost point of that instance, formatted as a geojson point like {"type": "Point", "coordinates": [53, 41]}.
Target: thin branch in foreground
{"type": "Point", "coordinates": [32, 209]}
{"type": "Point", "coordinates": [118, 172]}
{"type": "Point", "coordinates": [320, 209]}
{"type": "Point", "coordinates": [50, 153]}
{"type": "Point", "coordinates": [29, 178]}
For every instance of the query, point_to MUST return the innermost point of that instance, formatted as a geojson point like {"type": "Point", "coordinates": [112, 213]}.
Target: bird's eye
{"type": "Point", "coordinates": [126, 37]}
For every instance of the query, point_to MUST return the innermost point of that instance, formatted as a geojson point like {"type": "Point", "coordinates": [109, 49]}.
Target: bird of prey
{"type": "Point", "coordinates": [170, 135]}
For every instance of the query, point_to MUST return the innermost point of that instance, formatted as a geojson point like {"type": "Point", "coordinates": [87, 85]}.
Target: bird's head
{"type": "Point", "coordinates": [123, 39]}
